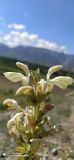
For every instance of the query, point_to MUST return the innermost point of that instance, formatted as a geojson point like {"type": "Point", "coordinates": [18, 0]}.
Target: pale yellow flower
{"type": "Point", "coordinates": [16, 76]}
{"type": "Point", "coordinates": [15, 120]}
{"type": "Point", "coordinates": [12, 104]}
{"type": "Point", "coordinates": [24, 67]}
{"type": "Point", "coordinates": [41, 86]}
{"type": "Point", "coordinates": [53, 70]}
{"type": "Point", "coordinates": [60, 81]}
{"type": "Point", "coordinates": [27, 90]}
{"type": "Point", "coordinates": [14, 123]}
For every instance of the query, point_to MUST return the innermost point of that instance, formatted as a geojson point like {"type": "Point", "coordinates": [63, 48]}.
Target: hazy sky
{"type": "Point", "coordinates": [40, 23]}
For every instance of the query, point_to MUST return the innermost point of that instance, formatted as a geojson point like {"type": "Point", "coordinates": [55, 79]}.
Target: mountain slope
{"type": "Point", "coordinates": [38, 56]}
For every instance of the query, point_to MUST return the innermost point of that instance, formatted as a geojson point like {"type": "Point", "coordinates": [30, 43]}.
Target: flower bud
{"type": "Point", "coordinates": [27, 90]}
{"type": "Point", "coordinates": [11, 103]}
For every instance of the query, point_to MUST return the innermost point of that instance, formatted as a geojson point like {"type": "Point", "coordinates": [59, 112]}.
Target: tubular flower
{"type": "Point", "coordinates": [15, 120]}
{"type": "Point", "coordinates": [53, 70]}
{"type": "Point", "coordinates": [27, 90]}
{"type": "Point", "coordinates": [14, 123]}
{"type": "Point", "coordinates": [24, 67]}
{"type": "Point", "coordinates": [24, 119]}
{"type": "Point", "coordinates": [16, 76]}
{"type": "Point", "coordinates": [60, 81]}
{"type": "Point", "coordinates": [41, 86]}
{"type": "Point", "coordinates": [12, 104]}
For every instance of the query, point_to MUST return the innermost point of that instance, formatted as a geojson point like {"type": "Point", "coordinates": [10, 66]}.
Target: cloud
{"type": "Point", "coordinates": [17, 36]}
{"type": "Point", "coordinates": [51, 45]}
{"type": "Point", "coordinates": [16, 26]}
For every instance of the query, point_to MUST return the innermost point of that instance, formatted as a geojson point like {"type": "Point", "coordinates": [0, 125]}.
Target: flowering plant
{"type": "Point", "coordinates": [30, 125]}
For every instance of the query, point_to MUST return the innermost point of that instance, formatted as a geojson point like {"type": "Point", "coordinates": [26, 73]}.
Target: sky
{"type": "Point", "coordinates": [40, 23]}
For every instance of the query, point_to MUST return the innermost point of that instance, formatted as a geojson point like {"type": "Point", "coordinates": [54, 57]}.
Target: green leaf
{"type": "Point", "coordinates": [27, 147]}
{"type": "Point", "coordinates": [35, 76]}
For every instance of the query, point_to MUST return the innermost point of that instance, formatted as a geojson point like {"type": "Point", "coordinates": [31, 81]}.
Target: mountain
{"type": "Point", "coordinates": [38, 56]}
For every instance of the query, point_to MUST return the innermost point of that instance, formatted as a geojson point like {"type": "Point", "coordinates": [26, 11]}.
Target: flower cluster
{"type": "Point", "coordinates": [30, 125]}
{"type": "Point", "coordinates": [42, 85]}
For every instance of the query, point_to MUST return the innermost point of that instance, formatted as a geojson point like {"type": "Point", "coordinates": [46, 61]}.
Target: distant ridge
{"type": "Point", "coordinates": [38, 56]}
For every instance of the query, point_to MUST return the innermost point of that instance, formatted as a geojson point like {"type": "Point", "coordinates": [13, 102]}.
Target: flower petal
{"type": "Point", "coordinates": [53, 69]}
{"type": "Point", "coordinates": [62, 81]}
{"type": "Point", "coordinates": [25, 81]}
{"type": "Point", "coordinates": [49, 87]}
{"type": "Point", "coordinates": [24, 67]}
{"type": "Point", "coordinates": [14, 76]}
{"type": "Point", "coordinates": [27, 90]}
